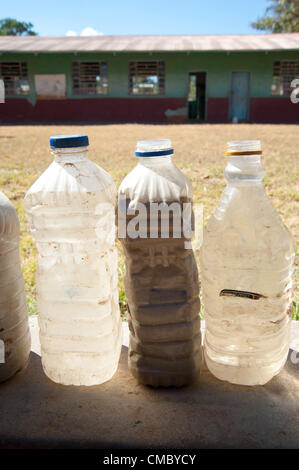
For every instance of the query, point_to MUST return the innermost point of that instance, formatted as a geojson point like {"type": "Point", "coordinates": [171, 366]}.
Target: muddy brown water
{"type": "Point", "coordinates": [162, 290]}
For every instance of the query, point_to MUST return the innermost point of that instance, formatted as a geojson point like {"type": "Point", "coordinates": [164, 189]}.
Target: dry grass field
{"type": "Point", "coordinates": [199, 152]}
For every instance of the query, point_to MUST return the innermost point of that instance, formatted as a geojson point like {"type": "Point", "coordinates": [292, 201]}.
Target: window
{"type": "Point", "coordinates": [146, 78]}
{"type": "Point", "coordinates": [283, 73]}
{"type": "Point", "coordinates": [15, 77]}
{"type": "Point", "coordinates": [90, 78]}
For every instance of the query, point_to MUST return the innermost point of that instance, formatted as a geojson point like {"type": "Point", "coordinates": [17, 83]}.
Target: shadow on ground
{"type": "Point", "coordinates": [37, 413]}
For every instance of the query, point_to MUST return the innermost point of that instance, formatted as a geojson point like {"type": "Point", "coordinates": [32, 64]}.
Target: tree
{"type": "Point", "coordinates": [280, 17]}
{"type": "Point", "coordinates": [12, 27]}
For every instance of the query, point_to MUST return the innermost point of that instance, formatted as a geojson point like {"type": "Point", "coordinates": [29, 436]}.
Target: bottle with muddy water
{"type": "Point", "coordinates": [247, 276]}
{"type": "Point", "coordinates": [161, 280]}
{"type": "Point", "coordinates": [14, 329]}
{"type": "Point", "coordinates": [71, 211]}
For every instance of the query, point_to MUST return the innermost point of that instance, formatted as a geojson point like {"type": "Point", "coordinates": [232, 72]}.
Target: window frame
{"type": "Point", "coordinates": [281, 82]}
{"type": "Point", "coordinates": [81, 94]}
{"type": "Point", "coordinates": [22, 76]}
{"type": "Point", "coordinates": [133, 64]}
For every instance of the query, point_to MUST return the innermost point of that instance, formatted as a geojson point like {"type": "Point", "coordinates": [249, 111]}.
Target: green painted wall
{"type": "Point", "coordinates": [177, 66]}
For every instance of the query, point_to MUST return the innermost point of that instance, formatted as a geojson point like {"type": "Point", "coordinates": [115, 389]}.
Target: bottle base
{"type": "Point", "coordinates": [15, 371]}
{"type": "Point", "coordinates": [157, 379]}
{"type": "Point", "coordinates": [75, 379]}
{"type": "Point", "coordinates": [79, 375]}
{"type": "Point", "coordinates": [248, 376]}
{"type": "Point", "coordinates": [17, 361]}
{"type": "Point", "coordinates": [77, 369]}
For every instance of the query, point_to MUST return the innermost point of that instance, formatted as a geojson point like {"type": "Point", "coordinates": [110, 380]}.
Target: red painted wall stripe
{"type": "Point", "coordinates": [91, 110]}
{"type": "Point", "coordinates": [274, 110]}
{"type": "Point", "coordinates": [218, 110]}
{"type": "Point", "coordinates": [262, 110]}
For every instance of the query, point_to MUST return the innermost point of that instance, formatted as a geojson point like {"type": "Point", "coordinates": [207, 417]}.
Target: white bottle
{"type": "Point", "coordinates": [14, 329]}
{"type": "Point", "coordinates": [71, 211]}
{"type": "Point", "coordinates": [247, 276]}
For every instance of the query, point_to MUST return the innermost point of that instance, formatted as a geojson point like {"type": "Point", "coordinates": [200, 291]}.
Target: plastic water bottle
{"type": "Point", "coordinates": [71, 211]}
{"type": "Point", "coordinates": [247, 276]}
{"type": "Point", "coordinates": [161, 281]}
{"type": "Point", "coordinates": [14, 330]}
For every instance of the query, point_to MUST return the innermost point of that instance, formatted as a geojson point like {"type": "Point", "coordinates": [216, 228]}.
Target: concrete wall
{"type": "Point", "coordinates": [118, 105]}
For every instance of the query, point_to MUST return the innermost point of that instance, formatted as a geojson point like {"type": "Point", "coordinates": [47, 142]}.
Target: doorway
{"type": "Point", "coordinates": [239, 96]}
{"type": "Point", "coordinates": [197, 96]}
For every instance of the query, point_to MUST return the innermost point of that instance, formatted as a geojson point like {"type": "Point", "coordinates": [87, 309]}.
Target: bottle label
{"type": "Point", "coordinates": [240, 293]}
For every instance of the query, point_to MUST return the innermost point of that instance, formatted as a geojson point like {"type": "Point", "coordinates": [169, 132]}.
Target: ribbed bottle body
{"type": "Point", "coordinates": [14, 329]}
{"type": "Point", "coordinates": [71, 214]}
{"type": "Point", "coordinates": [161, 280]}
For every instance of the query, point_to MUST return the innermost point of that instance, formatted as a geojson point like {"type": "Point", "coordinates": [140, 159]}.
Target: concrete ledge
{"type": "Point", "coordinates": [37, 413]}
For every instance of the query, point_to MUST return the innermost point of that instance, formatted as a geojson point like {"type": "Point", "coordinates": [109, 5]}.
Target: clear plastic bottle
{"type": "Point", "coordinates": [247, 276]}
{"type": "Point", "coordinates": [14, 329]}
{"type": "Point", "coordinates": [71, 211]}
{"type": "Point", "coordinates": [161, 281]}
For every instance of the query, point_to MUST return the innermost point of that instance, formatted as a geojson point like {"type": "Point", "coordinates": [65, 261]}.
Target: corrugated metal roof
{"type": "Point", "coordinates": [249, 42]}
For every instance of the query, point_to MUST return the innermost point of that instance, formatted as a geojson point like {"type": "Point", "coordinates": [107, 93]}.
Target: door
{"type": "Point", "coordinates": [239, 100]}
{"type": "Point", "coordinates": [197, 96]}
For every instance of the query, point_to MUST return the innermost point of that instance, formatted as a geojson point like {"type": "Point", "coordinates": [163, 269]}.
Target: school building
{"type": "Point", "coordinates": [150, 78]}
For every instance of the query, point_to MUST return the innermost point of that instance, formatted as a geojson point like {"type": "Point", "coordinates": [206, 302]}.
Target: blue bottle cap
{"type": "Point", "coordinates": [153, 148]}
{"type": "Point", "coordinates": [68, 141]}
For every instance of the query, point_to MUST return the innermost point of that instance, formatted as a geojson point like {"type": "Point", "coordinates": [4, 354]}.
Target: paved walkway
{"type": "Point", "coordinates": [35, 412]}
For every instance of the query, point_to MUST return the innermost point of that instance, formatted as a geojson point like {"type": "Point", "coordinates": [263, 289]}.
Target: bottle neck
{"type": "Point", "coordinates": [244, 169]}
{"type": "Point", "coordinates": [74, 154]}
{"type": "Point", "coordinates": [154, 161]}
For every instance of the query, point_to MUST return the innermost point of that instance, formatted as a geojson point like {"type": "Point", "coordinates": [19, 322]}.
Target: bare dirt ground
{"type": "Point", "coordinates": [199, 153]}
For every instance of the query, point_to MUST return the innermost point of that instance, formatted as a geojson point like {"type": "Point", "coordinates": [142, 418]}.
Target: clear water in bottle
{"type": "Point", "coordinates": [71, 211]}
{"type": "Point", "coordinates": [247, 276]}
{"type": "Point", "coordinates": [14, 329]}
{"type": "Point", "coordinates": [161, 281]}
